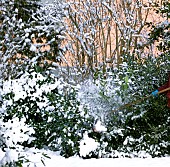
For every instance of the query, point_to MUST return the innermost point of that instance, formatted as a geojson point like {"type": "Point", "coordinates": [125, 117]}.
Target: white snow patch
{"type": "Point", "coordinates": [87, 145]}
{"type": "Point", "coordinates": [33, 48]}
{"type": "Point", "coordinates": [98, 127]}
{"type": "Point", "coordinates": [10, 156]}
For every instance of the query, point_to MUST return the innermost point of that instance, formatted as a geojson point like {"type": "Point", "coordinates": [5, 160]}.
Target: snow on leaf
{"type": "Point", "coordinates": [33, 48]}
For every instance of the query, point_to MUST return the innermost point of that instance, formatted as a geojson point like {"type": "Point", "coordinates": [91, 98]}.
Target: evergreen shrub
{"type": "Point", "coordinates": [50, 106]}
{"type": "Point", "coordinates": [140, 129]}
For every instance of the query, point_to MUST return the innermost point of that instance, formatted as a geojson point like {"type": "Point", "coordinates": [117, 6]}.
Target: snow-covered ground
{"type": "Point", "coordinates": [119, 162]}
{"type": "Point", "coordinates": [105, 162]}
{"type": "Point", "coordinates": [58, 161]}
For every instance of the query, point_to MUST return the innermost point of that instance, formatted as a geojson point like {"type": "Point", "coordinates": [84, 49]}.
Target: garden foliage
{"type": "Point", "coordinates": [49, 105]}
{"type": "Point", "coordinates": [40, 109]}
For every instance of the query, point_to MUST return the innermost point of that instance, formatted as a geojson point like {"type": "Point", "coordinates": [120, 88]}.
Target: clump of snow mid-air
{"type": "Point", "coordinates": [98, 127]}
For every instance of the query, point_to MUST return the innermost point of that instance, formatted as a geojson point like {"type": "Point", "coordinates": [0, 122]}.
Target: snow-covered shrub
{"type": "Point", "coordinates": [33, 38]}
{"type": "Point", "coordinates": [139, 128]}
{"type": "Point", "coordinates": [27, 157]}
{"type": "Point", "coordinates": [145, 124]}
{"type": "Point", "coordinates": [13, 133]}
{"type": "Point", "coordinates": [51, 107]}
{"type": "Point", "coordinates": [160, 32]}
